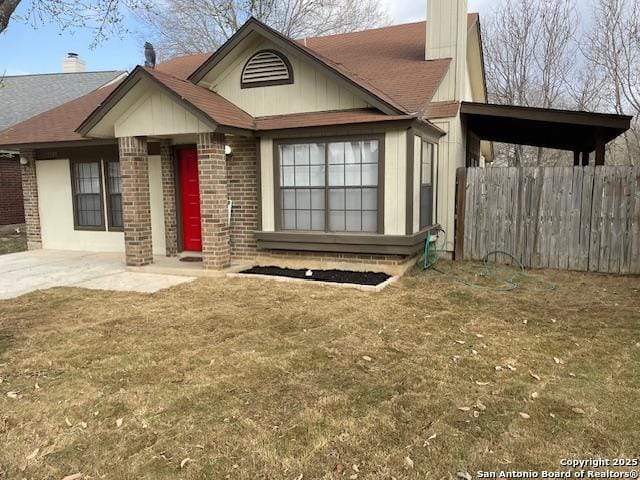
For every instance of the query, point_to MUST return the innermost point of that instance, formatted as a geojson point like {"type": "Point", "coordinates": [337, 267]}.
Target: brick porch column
{"type": "Point", "coordinates": [169, 198]}
{"type": "Point", "coordinates": [212, 174]}
{"type": "Point", "coordinates": [30, 196]}
{"type": "Point", "coordinates": [136, 203]}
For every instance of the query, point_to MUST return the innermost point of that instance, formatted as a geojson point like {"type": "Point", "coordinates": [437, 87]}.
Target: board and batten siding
{"type": "Point", "coordinates": [157, 114]}
{"type": "Point", "coordinates": [56, 211]}
{"type": "Point", "coordinates": [311, 91]}
{"type": "Point", "coordinates": [417, 170]}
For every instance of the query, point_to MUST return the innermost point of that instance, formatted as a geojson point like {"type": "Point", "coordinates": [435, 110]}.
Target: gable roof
{"type": "Point", "coordinates": [208, 106]}
{"type": "Point", "coordinates": [369, 92]}
{"type": "Point", "coordinates": [25, 96]}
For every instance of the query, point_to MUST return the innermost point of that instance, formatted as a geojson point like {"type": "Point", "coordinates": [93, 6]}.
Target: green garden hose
{"type": "Point", "coordinates": [433, 252]}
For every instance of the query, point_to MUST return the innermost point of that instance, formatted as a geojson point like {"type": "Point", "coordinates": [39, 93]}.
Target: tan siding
{"type": "Point", "coordinates": [311, 91]}
{"type": "Point", "coordinates": [417, 143]}
{"type": "Point", "coordinates": [266, 185]}
{"type": "Point", "coordinates": [395, 182]}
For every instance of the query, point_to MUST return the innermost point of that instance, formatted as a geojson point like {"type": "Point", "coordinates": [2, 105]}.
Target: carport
{"type": "Point", "coordinates": [579, 132]}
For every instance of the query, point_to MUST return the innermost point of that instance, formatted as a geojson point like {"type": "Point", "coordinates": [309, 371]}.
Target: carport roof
{"type": "Point", "coordinates": [542, 127]}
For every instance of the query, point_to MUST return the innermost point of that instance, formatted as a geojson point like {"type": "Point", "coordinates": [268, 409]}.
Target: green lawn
{"type": "Point", "coordinates": [250, 379]}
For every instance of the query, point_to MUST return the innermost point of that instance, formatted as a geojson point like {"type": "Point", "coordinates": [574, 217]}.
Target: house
{"type": "Point", "coordinates": [337, 149]}
{"type": "Point", "coordinates": [23, 97]}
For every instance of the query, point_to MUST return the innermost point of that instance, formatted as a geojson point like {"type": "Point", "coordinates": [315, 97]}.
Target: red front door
{"type": "Point", "coordinates": [190, 195]}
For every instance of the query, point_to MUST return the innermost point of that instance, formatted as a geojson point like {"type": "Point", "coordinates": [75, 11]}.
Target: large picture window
{"type": "Point", "coordinates": [329, 186]}
{"type": "Point", "coordinates": [89, 182]}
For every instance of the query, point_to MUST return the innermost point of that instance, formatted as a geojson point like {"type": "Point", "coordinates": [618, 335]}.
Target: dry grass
{"type": "Point", "coordinates": [251, 379]}
{"type": "Point", "coordinates": [12, 243]}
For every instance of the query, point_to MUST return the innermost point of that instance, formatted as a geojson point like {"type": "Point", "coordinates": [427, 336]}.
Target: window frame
{"type": "Point", "coordinates": [267, 83]}
{"type": "Point", "coordinates": [108, 194]}
{"type": "Point", "coordinates": [74, 196]}
{"type": "Point", "coordinates": [433, 160]}
{"type": "Point", "coordinates": [277, 143]}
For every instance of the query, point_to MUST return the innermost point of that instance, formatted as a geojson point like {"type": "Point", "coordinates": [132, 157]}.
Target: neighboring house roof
{"type": "Point", "coordinates": [387, 63]}
{"type": "Point", "coordinates": [25, 96]}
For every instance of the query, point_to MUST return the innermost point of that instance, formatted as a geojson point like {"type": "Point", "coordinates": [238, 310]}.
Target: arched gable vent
{"type": "Point", "coordinates": [265, 68]}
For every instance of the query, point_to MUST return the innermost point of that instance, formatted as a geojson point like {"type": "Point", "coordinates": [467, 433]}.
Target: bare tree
{"type": "Point", "coordinates": [104, 17]}
{"type": "Point", "coordinates": [613, 47]}
{"type": "Point", "coordinates": [181, 27]}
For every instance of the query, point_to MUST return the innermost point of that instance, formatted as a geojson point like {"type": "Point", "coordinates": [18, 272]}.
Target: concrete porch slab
{"type": "Point", "coordinates": [25, 272]}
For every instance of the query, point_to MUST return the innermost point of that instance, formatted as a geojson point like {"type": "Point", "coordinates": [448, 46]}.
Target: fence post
{"type": "Point", "coordinates": [461, 196]}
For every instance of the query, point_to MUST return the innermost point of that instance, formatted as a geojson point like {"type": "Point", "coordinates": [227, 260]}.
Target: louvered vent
{"type": "Point", "coordinates": [265, 68]}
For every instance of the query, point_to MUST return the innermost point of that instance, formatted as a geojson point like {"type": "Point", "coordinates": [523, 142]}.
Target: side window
{"type": "Point", "coordinates": [114, 196]}
{"type": "Point", "coordinates": [87, 196]}
{"type": "Point", "coordinates": [428, 165]}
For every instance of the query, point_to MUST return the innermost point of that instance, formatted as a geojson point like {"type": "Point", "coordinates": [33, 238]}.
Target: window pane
{"type": "Point", "coordinates": [287, 179]}
{"type": "Point", "coordinates": [317, 199]}
{"type": "Point", "coordinates": [289, 219]}
{"type": "Point", "coordinates": [317, 154]}
{"type": "Point", "coordinates": [87, 177]}
{"type": "Point", "coordinates": [336, 220]}
{"type": "Point", "coordinates": [354, 199]}
{"type": "Point", "coordinates": [369, 198]}
{"type": "Point", "coordinates": [288, 199]}
{"type": "Point", "coordinates": [302, 154]}
{"type": "Point", "coordinates": [370, 151]}
{"type": "Point", "coordinates": [317, 220]}
{"type": "Point", "coordinates": [336, 153]}
{"type": "Point", "coordinates": [352, 152]}
{"type": "Point", "coordinates": [303, 219]}
{"type": "Point", "coordinates": [317, 176]}
{"type": "Point", "coordinates": [89, 212]}
{"type": "Point", "coordinates": [286, 154]}
{"type": "Point", "coordinates": [353, 222]}
{"type": "Point", "coordinates": [302, 176]}
{"type": "Point", "coordinates": [336, 175]}
{"type": "Point", "coordinates": [352, 175]}
{"type": "Point", "coordinates": [369, 221]}
{"type": "Point", "coordinates": [116, 211]}
{"type": "Point", "coordinates": [336, 199]}
{"type": "Point", "coordinates": [370, 174]}
{"type": "Point", "coordinates": [113, 174]}
{"type": "Point", "coordinates": [303, 199]}
{"type": "Point", "coordinates": [426, 163]}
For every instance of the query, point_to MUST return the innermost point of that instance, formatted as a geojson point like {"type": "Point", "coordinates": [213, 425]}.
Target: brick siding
{"type": "Point", "coordinates": [212, 175]}
{"type": "Point", "coordinates": [242, 176]}
{"type": "Point", "coordinates": [30, 197]}
{"type": "Point", "coordinates": [169, 198]}
{"type": "Point", "coordinates": [136, 203]}
{"type": "Point", "coordinates": [11, 202]}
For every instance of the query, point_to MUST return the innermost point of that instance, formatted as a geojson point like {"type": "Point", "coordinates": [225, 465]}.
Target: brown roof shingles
{"type": "Point", "coordinates": [322, 119]}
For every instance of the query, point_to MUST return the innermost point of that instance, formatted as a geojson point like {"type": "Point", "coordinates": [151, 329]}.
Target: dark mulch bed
{"type": "Point", "coordinates": [332, 276]}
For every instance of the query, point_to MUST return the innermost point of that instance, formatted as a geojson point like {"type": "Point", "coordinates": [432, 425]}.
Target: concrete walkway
{"type": "Point", "coordinates": [26, 272]}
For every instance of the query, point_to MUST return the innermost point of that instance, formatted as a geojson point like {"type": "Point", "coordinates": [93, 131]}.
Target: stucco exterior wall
{"type": "Point", "coordinates": [311, 91]}
{"type": "Point", "coordinates": [56, 211]}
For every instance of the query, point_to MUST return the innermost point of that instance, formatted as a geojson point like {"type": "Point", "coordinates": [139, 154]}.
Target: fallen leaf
{"type": "Point", "coordinates": [480, 406]}
{"type": "Point", "coordinates": [578, 410]}
{"type": "Point", "coordinates": [498, 368]}
{"type": "Point", "coordinates": [75, 476]}
{"type": "Point", "coordinates": [33, 454]}
{"type": "Point", "coordinates": [553, 320]}
{"type": "Point", "coordinates": [558, 361]}
{"type": "Point", "coordinates": [367, 358]}
{"type": "Point", "coordinates": [464, 409]}
{"type": "Point", "coordinates": [83, 424]}
{"type": "Point", "coordinates": [66, 420]}
{"type": "Point", "coordinates": [201, 447]}
{"type": "Point", "coordinates": [339, 468]}
{"type": "Point", "coordinates": [300, 477]}
{"type": "Point", "coordinates": [460, 342]}
{"type": "Point", "coordinates": [432, 437]}
{"type": "Point", "coordinates": [552, 415]}
{"type": "Point", "coordinates": [13, 394]}
{"type": "Point", "coordinates": [474, 352]}
{"type": "Point", "coordinates": [355, 468]}
{"type": "Point", "coordinates": [408, 463]}
{"type": "Point", "coordinates": [37, 387]}
{"type": "Point", "coordinates": [479, 335]}
{"type": "Point", "coordinates": [572, 375]}
{"type": "Point", "coordinates": [184, 462]}
{"type": "Point", "coordinates": [537, 377]}
{"type": "Point", "coordinates": [482, 384]}
{"type": "Point", "coordinates": [476, 414]}
{"type": "Point", "coordinates": [511, 367]}
{"type": "Point", "coordinates": [119, 422]}
{"type": "Point", "coordinates": [353, 477]}
{"type": "Point", "coordinates": [463, 475]}
{"type": "Point", "coordinates": [535, 395]}
{"type": "Point", "coordinates": [525, 321]}
{"type": "Point", "coordinates": [525, 415]}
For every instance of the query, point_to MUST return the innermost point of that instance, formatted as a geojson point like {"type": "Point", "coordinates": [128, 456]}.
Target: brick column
{"type": "Point", "coordinates": [212, 173]}
{"type": "Point", "coordinates": [30, 196]}
{"type": "Point", "coordinates": [136, 203]}
{"type": "Point", "coordinates": [169, 198]}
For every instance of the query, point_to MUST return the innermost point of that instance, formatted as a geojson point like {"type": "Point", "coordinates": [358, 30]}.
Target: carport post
{"type": "Point", "coordinates": [600, 151]}
{"type": "Point", "coordinates": [585, 159]}
{"type": "Point", "coordinates": [576, 159]}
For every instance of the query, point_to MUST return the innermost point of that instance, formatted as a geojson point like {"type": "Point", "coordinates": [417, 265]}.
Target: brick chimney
{"type": "Point", "coordinates": [447, 38]}
{"type": "Point", "coordinates": [72, 64]}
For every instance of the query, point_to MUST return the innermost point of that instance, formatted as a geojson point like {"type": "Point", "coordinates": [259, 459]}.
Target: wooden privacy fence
{"type": "Point", "coordinates": [574, 218]}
